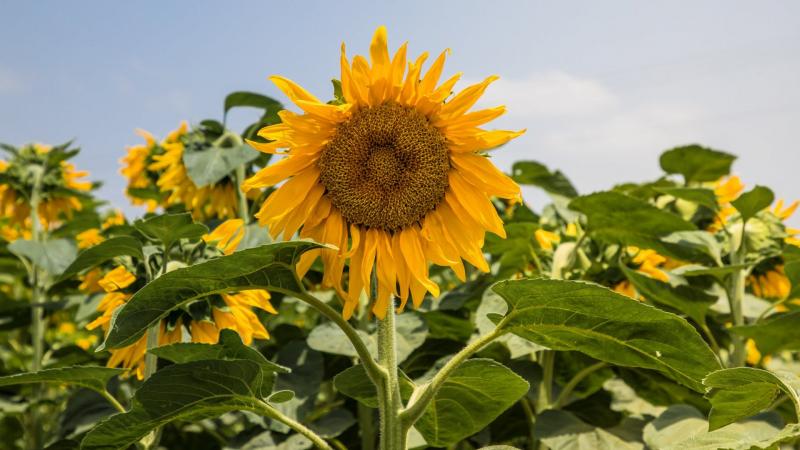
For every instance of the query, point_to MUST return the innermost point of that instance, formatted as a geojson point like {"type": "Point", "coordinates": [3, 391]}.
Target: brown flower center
{"type": "Point", "coordinates": [387, 167]}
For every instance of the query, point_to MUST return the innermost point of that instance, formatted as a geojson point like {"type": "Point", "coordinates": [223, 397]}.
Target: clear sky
{"type": "Point", "coordinates": [602, 87]}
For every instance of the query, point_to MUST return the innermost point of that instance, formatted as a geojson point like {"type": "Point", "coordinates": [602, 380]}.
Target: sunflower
{"type": "Point", "coordinates": [94, 236]}
{"type": "Point", "coordinates": [135, 170]}
{"type": "Point", "coordinates": [546, 239]}
{"type": "Point", "coordinates": [392, 174]}
{"type": "Point", "coordinates": [60, 187]}
{"type": "Point", "coordinates": [784, 213]}
{"type": "Point", "coordinates": [772, 284]}
{"type": "Point", "coordinates": [726, 190]}
{"type": "Point", "coordinates": [131, 357]}
{"type": "Point", "coordinates": [216, 200]}
{"type": "Point", "coordinates": [649, 263]}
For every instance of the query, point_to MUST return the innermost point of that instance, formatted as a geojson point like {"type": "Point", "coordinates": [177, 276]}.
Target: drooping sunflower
{"type": "Point", "coordinates": [392, 174]}
{"type": "Point", "coordinates": [235, 310]}
{"type": "Point", "coordinates": [135, 169]}
{"type": "Point", "coordinates": [217, 200]}
{"type": "Point", "coordinates": [60, 185]}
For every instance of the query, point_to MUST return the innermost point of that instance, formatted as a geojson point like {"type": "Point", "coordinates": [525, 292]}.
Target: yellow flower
{"type": "Point", "coordinates": [726, 190]}
{"type": "Point", "coordinates": [546, 239]}
{"type": "Point", "coordinates": [395, 171]}
{"type": "Point", "coordinates": [772, 285]}
{"type": "Point", "coordinates": [90, 282]}
{"type": "Point", "coordinates": [117, 279]}
{"type": "Point", "coordinates": [217, 200]}
{"type": "Point", "coordinates": [571, 230]}
{"type": "Point", "coordinates": [626, 288]}
{"type": "Point", "coordinates": [784, 214]}
{"type": "Point", "coordinates": [89, 238]}
{"type": "Point", "coordinates": [648, 262]}
{"type": "Point", "coordinates": [227, 235]}
{"type": "Point", "coordinates": [132, 356]}
{"type": "Point", "coordinates": [239, 315]}
{"type": "Point", "coordinates": [116, 218]}
{"type": "Point", "coordinates": [753, 354]}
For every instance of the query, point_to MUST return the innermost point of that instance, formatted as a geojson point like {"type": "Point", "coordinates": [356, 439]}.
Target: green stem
{"type": "Point", "coordinates": [374, 371]}
{"type": "Point", "coordinates": [424, 394]}
{"type": "Point", "coordinates": [366, 427]}
{"type": "Point", "coordinates": [273, 413]}
{"type": "Point", "coordinates": [735, 298]}
{"type": "Point", "coordinates": [545, 399]}
{"type": "Point", "coordinates": [107, 395]}
{"type": "Point", "coordinates": [35, 436]}
{"type": "Point", "coordinates": [530, 416]}
{"type": "Point", "coordinates": [244, 213]}
{"type": "Point", "coordinates": [392, 435]}
{"type": "Point", "coordinates": [580, 376]}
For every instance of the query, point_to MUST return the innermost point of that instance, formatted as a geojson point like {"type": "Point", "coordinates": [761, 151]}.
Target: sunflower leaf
{"type": "Point", "coordinates": [697, 163]}
{"type": "Point", "coordinates": [102, 252]}
{"type": "Point", "coordinates": [94, 378]}
{"type": "Point", "coordinates": [741, 392]}
{"type": "Point", "coordinates": [572, 315]}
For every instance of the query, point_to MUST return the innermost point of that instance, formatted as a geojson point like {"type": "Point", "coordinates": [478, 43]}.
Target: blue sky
{"type": "Point", "coordinates": [602, 87]}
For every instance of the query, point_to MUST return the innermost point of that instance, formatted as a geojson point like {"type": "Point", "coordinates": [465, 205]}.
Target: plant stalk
{"type": "Point", "coordinates": [735, 298]}
{"type": "Point", "coordinates": [35, 435]}
{"type": "Point", "coordinates": [392, 435]}
{"type": "Point", "coordinates": [545, 399]}
{"type": "Point", "coordinates": [273, 413]}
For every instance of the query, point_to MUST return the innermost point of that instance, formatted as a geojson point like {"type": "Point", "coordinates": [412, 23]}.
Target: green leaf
{"type": "Point", "coordinates": [94, 378]}
{"type": "Point", "coordinates": [689, 300]}
{"type": "Point", "coordinates": [52, 256]}
{"type": "Point", "coordinates": [333, 424]}
{"type": "Point", "coordinates": [251, 99]}
{"type": "Point", "coordinates": [701, 196]}
{"type": "Point", "coordinates": [474, 394]}
{"type": "Point", "coordinates": [354, 383]}
{"type": "Point", "coordinates": [102, 252]}
{"type": "Point", "coordinates": [792, 271]}
{"type": "Point", "coordinates": [411, 333]}
{"type": "Point", "coordinates": [682, 427]}
{"type": "Point", "coordinates": [622, 219]}
{"type": "Point", "coordinates": [191, 391]}
{"type": "Point", "coordinates": [700, 246]}
{"type": "Point", "coordinates": [572, 315]}
{"type": "Point", "coordinates": [537, 174]}
{"type": "Point", "coordinates": [697, 163]}
{"type": "Point", "coordinates": [230, 347]}
{"type": "Point", "coordinates": [269, 267]}
{"type": "Point", "coordinates": [211, 165]}
{"type": "Point", "coordinates": [561, 430]}
{"type": "Point", "coordinates": [741, 392]}
{"type": "Point", "coordinates": [169, 228]}
{"type": "Point", "coordinates": [776, 332]}
{"type": "Point", "coordinates": [753, 201]}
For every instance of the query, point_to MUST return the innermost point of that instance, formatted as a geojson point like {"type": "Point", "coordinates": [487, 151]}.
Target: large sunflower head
{"type": "Point", "coordinates": [392, 173]}
{"type": "Point", "coordinates": [142, 188]}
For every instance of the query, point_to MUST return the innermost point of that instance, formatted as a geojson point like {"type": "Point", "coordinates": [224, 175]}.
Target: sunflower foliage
{"type": "Point", "coordinates": [660, 314]}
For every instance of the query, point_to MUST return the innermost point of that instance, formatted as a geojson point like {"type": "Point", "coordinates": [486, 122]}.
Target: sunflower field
{"type": "Point", "coordinates": [356, 273]}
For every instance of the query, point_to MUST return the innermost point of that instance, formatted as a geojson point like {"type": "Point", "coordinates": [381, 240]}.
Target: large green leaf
{"type": "Point", "coordinates": [411, 333]}
{"type": "Point", "coordinates": [697, 163]}
{"type": "Point", "coordinates": [191, 391]}
{"type": "Point", "coordinates": [470, 399]}
{"type": "Point", "coordinates": [102, 252]}
{"type": "Point", "coordinates": [269, 267]}
{"type": "Point", "coordinates": [698, 245]}
{"type": "Point", "coordinates": [230, 347]}
{"type": "Point", "coordinates": [354, 383]}
{"type": "Point", "coordinates": [682, 427]}
{"type": "Point", "coordinates": [684, 298]}
{"type": "Point", "coordinates": [169, 228]}
{"type": "Point", "coordinates": [741, 392]}
{"type": "Point", "coordinates": [585, 317]}
{"type": "Point", "coordinates": [94, 378]}
{"type": "Point", "coordinates": [537, 174]}
{"type": "Point", "coordinates": [561, 430]}
{"type": "Point", "coordinates": [753, 201]}
{"type": "Point", "coordinates": [776, 332]}
{"type": "Point", "coordinates": [211, 165]}
{"type": "Point", "coordinates": [52, 256]}
{"type": "Point", "coordinates": [620, 218]}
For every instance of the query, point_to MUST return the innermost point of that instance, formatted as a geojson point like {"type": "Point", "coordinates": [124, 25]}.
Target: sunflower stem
{"type": "Point", "coordinates": [269, 411]}
{"type": "Point", "coordinates": [35, 435]}
{"type": "Point", "coordinates": [392, 435]}
{"type": "Point", "coordinates": [736, 288]}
